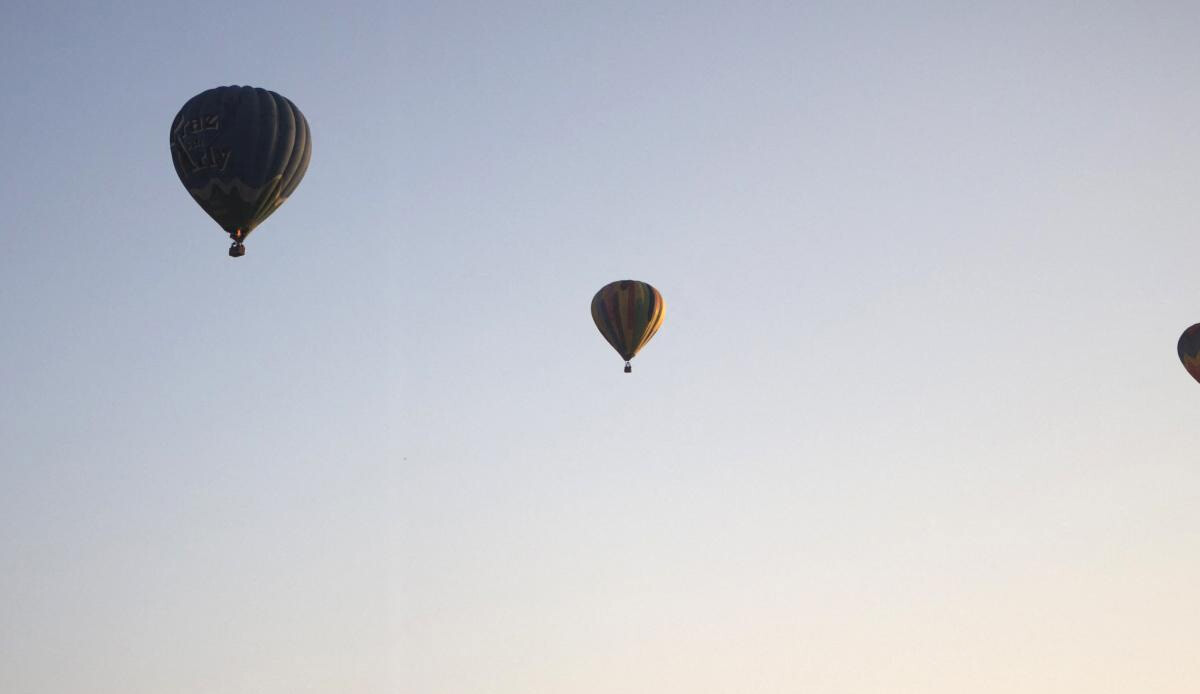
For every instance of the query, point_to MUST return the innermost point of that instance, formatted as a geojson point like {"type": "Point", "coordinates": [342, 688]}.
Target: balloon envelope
{"type": "Point", "coordinates": [628, 313]}
{"type": "Point", "coordinates": [240, 152]}
{"type": "Point", "coordinates": [1189, 350]}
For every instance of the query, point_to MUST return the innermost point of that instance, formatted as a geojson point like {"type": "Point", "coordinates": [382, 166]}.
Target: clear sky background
{"type": "Point", "coordinates": [914, 422]}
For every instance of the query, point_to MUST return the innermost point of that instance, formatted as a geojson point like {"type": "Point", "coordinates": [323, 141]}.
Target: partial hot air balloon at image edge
{"type": "Point", "coordinates": [628, 313]}
{"type": "Point", "coordinates": [1188, 349]}
{"type": "Point", "coordinates": [240, 152]}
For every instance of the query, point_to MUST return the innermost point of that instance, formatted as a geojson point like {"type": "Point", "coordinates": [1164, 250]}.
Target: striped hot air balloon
{"type": "Point", "coordinates": [1189, 350]}
{"type": "Point", "coordinates": [628, 313]}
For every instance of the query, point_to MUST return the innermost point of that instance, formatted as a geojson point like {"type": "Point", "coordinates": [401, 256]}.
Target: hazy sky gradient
{"type": "Point", "coordinates": [914, 422]}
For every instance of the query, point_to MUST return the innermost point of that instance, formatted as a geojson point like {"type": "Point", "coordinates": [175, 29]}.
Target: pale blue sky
{"type": "Point", "coordinates": [914, 421]}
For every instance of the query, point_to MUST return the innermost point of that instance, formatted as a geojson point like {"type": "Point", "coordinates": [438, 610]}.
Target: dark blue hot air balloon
{"type": "Point", "coordinates": [240, 152]}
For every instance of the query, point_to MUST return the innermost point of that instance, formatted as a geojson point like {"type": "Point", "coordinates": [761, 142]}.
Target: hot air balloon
{"type": "Point", "coordinates": [240, 152]}
{"type": "Point", "coordinates": [628, 313]}
{"type": "Point", "coordinates": [1189, 350]}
